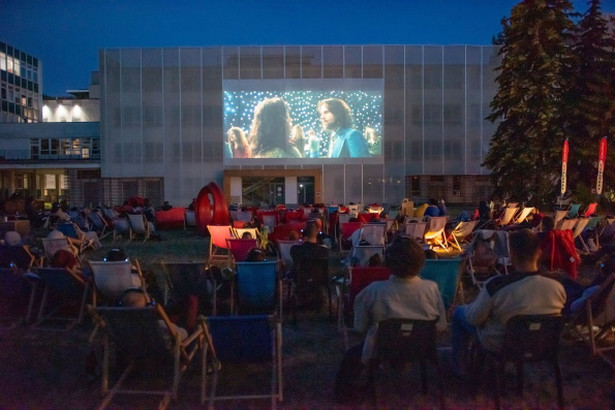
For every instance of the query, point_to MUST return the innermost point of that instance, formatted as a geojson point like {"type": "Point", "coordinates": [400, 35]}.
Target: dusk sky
{"type": "Point", "coordinates": [67, 34]}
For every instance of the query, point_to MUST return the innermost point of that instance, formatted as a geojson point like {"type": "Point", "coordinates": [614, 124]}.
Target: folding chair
{"type": "Point", "coordinates": [139, 226]}
{"type": "Point", "coordinates": [99, 224]}
{"type": "Point", "coordinates": [436, 231]}
{"type": "Point", "coordinates": [401, 341]}
{"type": "Point", "coordinates": [567, 224]}
{"type": "Point", "coordinates": [258, 287]}
{"type": "Point", "coordinates": [447, 274]}
{"type": "Point", "coordinates": [579, 227]}
{"type": "Point", "coordinates": [507, 216]}
{"type": "Point", "coordinates": [597, 319]}
{"type": "Point", "coordinates": [17, 295]}
{"type": "Point", "coordinates": [360, 255]}
{"type": "Point", "coordinates": [590, 210]}
{"type": "Point", "coordinates": [254, 232]}
{"type": "Point", "coordinates": [186, 278]}
{"type": "Point", "coordinates": [218, 248]}
{"type": "Point", "coordinates": [591, 227]}
{"type": "Point", "coordinates": [69, 287]}
{"type": "Point", "coordinates": [482, 256]}
{"type": "Point", "coordinates": [285, 261]}
{"type": "Point", "coordinates": [239, 249]}
{"type": "Point", "coordinates": [523, 214]}
{"type": "Point", "coordinates": [359, 277]}
{"type": "Point", "coordinates": [373, 233]}
{"type": "Point", "coordinates": [81, 243]}
{"type": "Point", "coordinates": [346, 231]}
{"type": "Point", "coordinates": [558, 218]}
{"type": "Point", "coordinates": [146, 335]}
{"type": "Point", "coordinates": [573, 211]}
{"type": "Point", "coordinates": [527, 339]}
{"type": "Point", "coordinates": [416, 230]}
{"type": "Point", "coordinates": [111, 279]}
{"type": "Point", "coordinates": [244, 341]}
{"type": "Point", "coordinates": [462, 232]}
{"type": "Point", "coordinates": [310, 277]}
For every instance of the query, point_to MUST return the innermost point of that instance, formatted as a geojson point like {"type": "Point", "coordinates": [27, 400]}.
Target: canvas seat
{"type": "Point", "coordinates": [346, 231]}
{"type": "Point", "coordinates": [507, 216]}
{"type": "Point", "coordinates": [17, 296]}
{"type": "Point", "coordinates": [523, 215]}
{"type": "Point", "coordinates": [99, 224]}
{"type": "Point", "coordinates": [82, 243]}
{"type": "Point", "coordinates": [416, 230]}
{"type": "Point", "coordinates": [309, 279]}
{"type": "Point", "coordinates": [435, 232]}
{"type": "Point", "coordinates": [360, 255]}
{"type": "Point", "coordinates": [257, 288]}
{"type": "Point", "coordinates": [462, 232]}
{"type": "Point", "coordinates": [139, 226]}
{"type": "Point", "coordinates": [447, 274]}
{"type": "Point", "coordinates": [488, 254]}
{"type": "Point", "coordinates": [112, 279]}
{"type": "Point", "coordinates": [139, 336]}
{"type": "Point", "coordinates": [244, 341]}
{"type": "Point", "coordinates": [239, 249]}
{"type": "Point", "coordinates": [218, 248]}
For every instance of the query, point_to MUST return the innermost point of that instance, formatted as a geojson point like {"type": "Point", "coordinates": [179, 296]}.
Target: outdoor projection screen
{"type": "Point", "coordinates": [363, 98]}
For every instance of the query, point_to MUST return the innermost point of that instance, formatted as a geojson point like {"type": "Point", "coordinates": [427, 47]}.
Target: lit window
{"type": "Point", "coordinates": [2, 61]}
{"type": "Point", "coordinates": [46, 113]}
{"type": "Point", "coordinates": [9, 64]}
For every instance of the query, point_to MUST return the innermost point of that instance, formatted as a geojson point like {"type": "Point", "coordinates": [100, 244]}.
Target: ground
{"type": "Point", "coordinates": [42, 368]}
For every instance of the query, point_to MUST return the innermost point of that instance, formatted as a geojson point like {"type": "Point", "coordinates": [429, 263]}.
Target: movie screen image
{"type": "Point", "coordinates": [310, 124]}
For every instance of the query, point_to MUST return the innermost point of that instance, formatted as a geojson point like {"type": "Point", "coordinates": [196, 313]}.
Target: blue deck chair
{"type": "Point", "coordinates": [244, 340]}
{"type": "Point", "coordinates": [446, 273]}
{"type": "Point", "coordinates": [71, 289]}
{"type": "Point", "coordinates": [258, 289]}
{"type": "Point", "coordinates": [573, 211]}
{"type": "Point", "coordinates": [68, 229]}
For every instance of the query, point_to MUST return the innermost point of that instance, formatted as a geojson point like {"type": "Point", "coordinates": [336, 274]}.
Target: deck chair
{"type": "Point", "coordinates": [597, 319]}
{"type": "Point", "coordinates": [52, 245]}
{"type": "Point", "coordinates": [218, 248]}
{"type": "Point", "coordinates": [527, 339]}
{"type": "Point", "coordinates": [374, 233]}
{"type": "Point", "coordinates": [447, 274]}
{"type": "Point", "coordinates": [579, 227]}
{"type": "Point", "coordinates": [268, 218]}
{"type": "Point", "coordinates": [436, 231]}
{"type": "Point", "coordinates": [593, 227]}
{"type": "Point", "coordinates": [487, 255]}
{"type": "Point", "coordinates": [146, 335]}
{"type": "Point", "coordinates": [567, 224]}
{"type": "Point", "coordinates": [359, 277]}
{"type": "Point", "coordinates": [239, 249]}
{"type": "Point", "coordinates": [183, 278]}
{"type": "Point", "coordinates": [573, 211]}
{"type": "Point", "coordinates": [590, 210]}
{"type": "Point", "coordinates": [462, 232]}
{"type": "Point", "coordinates": [18, 256]}
{"type": "Point", "coordinates": [139, 226]}
{"type": "Point", "coordinates": [111, 279]}
{"type": "Point", "coordinates": [285, 260]}
{"type": "Point", "coordinates": [416, 230]}
{"type": "Point", "coordinates": [254, 232]}
{"type": "Point", "coordinates": [121, 227]}
{"type": "Point", "coordinates": [244, 341]}
{"type": "Point", "coordinates": [346, 231]}
{"type": "Point", "coordinates": [99, 224]}
{"type": "Point", "coordinates": [523, 214]}
{"type": "Point", "coordinates": [507, 216]}
{"type": "Point", "coordinates": [17, 295]}
{"type": "Point", "coordinates": [360, 255]}
{"type": "Point", "coordinates": [258, 287]}
{"type": "Point", "coordinates": [559, 252]}
{"type": "Point", "coordinates": [68, 229]}
{"type": "Point", "coordinates": [68, 288]}
{"type": "Point", "coordinates": [558, 218]}
{"type": "Point", "coordinates": [401, 341]}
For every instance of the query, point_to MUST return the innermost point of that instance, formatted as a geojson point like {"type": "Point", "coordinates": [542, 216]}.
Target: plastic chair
{"type": "Point", "coordinates": [527, 339]}
{"type": "Point", "coordinates": [401, 341]}
{"type": "Point", "coordinates": [244, 340]}
{"type": "Point", "coordinates": [146, 335]}
{"type": "Point", "coordinates": [447, 274]}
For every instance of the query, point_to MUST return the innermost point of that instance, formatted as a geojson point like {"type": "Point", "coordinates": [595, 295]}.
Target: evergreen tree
{"type": "Point", "coordinates": [534, 76]}
{"type": "Point", "coordinates": [592, 97]}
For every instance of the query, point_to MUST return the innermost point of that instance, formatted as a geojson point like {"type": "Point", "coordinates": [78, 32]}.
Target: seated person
{"type": "Point", "coordinates": [432, 209]}
{"type": "Point", "coordinates": [306, 287]}
{"type": "Point", "coordinates": [403, 295]}
{"type": "Point", "coordinates": [138, 298]}
{"type": "Point", "coordinates": [524, 291]}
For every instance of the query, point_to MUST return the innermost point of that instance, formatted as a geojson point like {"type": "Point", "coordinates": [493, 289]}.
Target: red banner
{"type": "Point", "coordinates": [565, 151]}
{"type": "Point", "coordinates": [601, 161]}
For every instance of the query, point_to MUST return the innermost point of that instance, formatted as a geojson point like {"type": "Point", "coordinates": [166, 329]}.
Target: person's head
{"type": "Point", "coordinates": [256, 255]}
{"type": "Point", "coordinates": [375, 260]}
{"type": "Point", "coordinates": [432, 201]}
{"type": "Point", "coordinates": [135, 297]}
{"type": "Point", "coordinates": [63, 259]}
{"type": "Point", "coordinates": [246, 235]}
{"type": "Point", "coordinates": [116, 255]}
{"type": "Point", "coordinates": [334, 113]}
{"type": "Point", "coordinates": [270, 126]}
{"type": "Point", "coordinates": [293, 235]}
{"type": "Point", "coordinates": [12, 238]}
{"type": "Point", "coordinates": [404, 256]}
{"type": "Point", "coordinates": [297, 135]}
{"type": "Point", "coordinates": [311, 230]}
{"type": "Point", "coordinates": [524, 249]}
{"type": "Point", "coordinates": [548, 223]}
{"type": "Point", "coordinates": [237, 138]}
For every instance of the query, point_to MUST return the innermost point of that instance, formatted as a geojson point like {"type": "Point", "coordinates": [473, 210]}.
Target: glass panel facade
{"type": "Point", "coordinates": [162, 113]}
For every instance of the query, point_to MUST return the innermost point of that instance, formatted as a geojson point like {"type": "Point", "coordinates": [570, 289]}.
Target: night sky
{"type": "Point", "coordinates": [67, 34]}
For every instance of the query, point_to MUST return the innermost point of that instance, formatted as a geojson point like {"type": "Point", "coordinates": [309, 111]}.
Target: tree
{"type": "Point", "coordinates": [592, 97]}
{"type": "Point", "coordinates": [534, 76]}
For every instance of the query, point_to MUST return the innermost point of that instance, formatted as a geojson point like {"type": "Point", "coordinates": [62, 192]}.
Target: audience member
{"type": "Point", "coordinates": [525, 291]}
{"type": "Point", "coordinates": [306, 285]}
{"type": "Point", "coordinates": [403, 295]}
{"type": "Point", "coordinates": [432, 209]}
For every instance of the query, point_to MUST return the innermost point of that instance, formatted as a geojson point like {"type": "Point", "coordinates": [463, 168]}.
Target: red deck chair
{"type": "Point", "coordinates": [346, 230]}
{"type": "Point", "coordinates": [559, 251]}
{"type": "Point", "coordinates": [366, 217]}
{"type": "Point", "coordinates": [218, 248]}
{"type": "Point", "coordinates": [591, 209]}
{"type": "Point", "coordinates": [239, 248]}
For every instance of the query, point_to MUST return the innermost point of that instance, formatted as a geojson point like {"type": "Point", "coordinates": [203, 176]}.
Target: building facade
{"type": "Point", "coordinates": [20, 85]}
{"type": "Point", "coordinates": [164, 120]}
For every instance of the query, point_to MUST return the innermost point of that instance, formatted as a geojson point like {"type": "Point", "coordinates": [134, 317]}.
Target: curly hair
{"type": "Point", "coordinates": [271, 126]}
{"type": "Point", "coordinates": [404, 256]}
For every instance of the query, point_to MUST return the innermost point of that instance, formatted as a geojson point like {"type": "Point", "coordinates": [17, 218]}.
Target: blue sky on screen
{"type": "Point", "coordinates": [67, 34]}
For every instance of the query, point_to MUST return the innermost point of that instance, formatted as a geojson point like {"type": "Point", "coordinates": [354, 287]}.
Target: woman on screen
{"type": "Point", "coordinates": [297, 139]}
{"type": "Point", "coordinates": [238, 144]}
{"type": "Point", "coordinates": [270, 130]}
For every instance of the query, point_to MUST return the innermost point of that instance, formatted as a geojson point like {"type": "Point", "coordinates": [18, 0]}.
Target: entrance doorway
{"type": "Point", "coordinates": [305, 187]}
{"type": "Point", "coordinates": [262, 191]}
